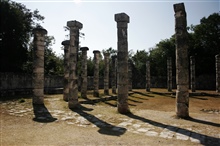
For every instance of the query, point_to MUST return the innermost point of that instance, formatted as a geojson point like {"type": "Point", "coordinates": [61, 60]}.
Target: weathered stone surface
{"type": "Point", "coordinates": [96, 73]}
{"type": "Point", "coordinates": [148, 76]}
{"type": "Point", "coordinates": [217, 62]}
{"type": "Point", "coordinates": [74, 26]}
{"type": "Point", "coordinates": [192, 74]}
{"type": "Point", "coordinates": [182, 75]}
{"type": "Point", "coordinates": [66, 45]}
{"type": "Point", "coordinates": [169, 74]}
{"type": "Point", "coordinates": [122, 58]}
{"type": "Point", "coordinates": [113, 74]}
{"type": "Point", "coordinates": [106, 74]}
{"type": "Point", "coordinates": [129, 75]}
{"type": "Point", "coordinates": [84, 72]}
{"type": "Point", "coordinates": [38, 65]}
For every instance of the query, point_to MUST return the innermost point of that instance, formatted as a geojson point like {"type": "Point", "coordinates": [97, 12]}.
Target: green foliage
{"type": "Point", "coordinates": [15, 31]}
{"type": "Point", "coordinates": [139, 59]}
{"type": "Point", "coordinates": [205, 42]}
{"type": "Point", "coordinates": [158, 56]}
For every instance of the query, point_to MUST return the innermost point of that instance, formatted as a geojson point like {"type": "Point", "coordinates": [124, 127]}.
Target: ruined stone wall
{"type": "Point", "coordinates": [18, 83]}
{"type": "Point", "coordinates": [14, 83]}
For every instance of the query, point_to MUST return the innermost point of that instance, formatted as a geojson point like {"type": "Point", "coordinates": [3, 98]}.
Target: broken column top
{"type": "Point", "coordinates": [114, 57]}
{"type": "Point", "coordinates": [179, 7]}
{"type": "Point", "coordinates": [84, 48]}
{"type": "Point", "coordinates": [40, 30]}
{"type": "Point", "coordinates": [65, 43]}
{"type": "Point", "coordinates": [96, 51]}
{"type": "Point", "coordinates": [122, 17]}
{"type": "Point", "coordinates": [106, 54]}
{"type": "Point", "coordinates": [74, 23]}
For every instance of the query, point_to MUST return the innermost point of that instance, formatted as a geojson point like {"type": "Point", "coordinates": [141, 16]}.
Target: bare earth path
{"type": "Point", "coordinates": [152, 121]}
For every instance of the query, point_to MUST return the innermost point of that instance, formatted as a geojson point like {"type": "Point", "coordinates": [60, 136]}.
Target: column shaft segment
{"type": "Point", "coordinates": [217, 66]}
{"type": "Point", "coordinates": [66, 45]}
{"type": "Point", "coordinates": [84, 72]}
{"type": "Point", "coordinates": [182, 71]}
{"type": "Point", "coordinates": [122, 20]}
{"type": "Point", "coordinates": [113, 74]}
{"type": "Point", "coordinates": [96, 73]}
{"type": "Point", "coordinates": [169, 74]}
{"type": "Point", "coordinates": [38, 65]}
{"type": "Point", "coordinates": [74, 26]}
{"type": "Point", "coordinates": [106, 74]}
{"type": "Point", "coordinates": [148, 76]}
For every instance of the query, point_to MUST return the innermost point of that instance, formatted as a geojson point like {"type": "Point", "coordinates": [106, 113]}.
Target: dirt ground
{"type": "Point", "coordinates": [152, 121]}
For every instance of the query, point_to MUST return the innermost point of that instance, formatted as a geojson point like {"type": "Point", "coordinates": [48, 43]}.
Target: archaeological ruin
{"type": "Point", "coordinates": [66, 45]}
{"type": "Point", "coordinates": [38, 65]}
{"type": "Point", "coordinates": [96, 73]}
{"type": "Point", "coordinates": [122, 20]}
{"type": "Point", "coordinates": [84, 72]}
{"type": "Point", "coordinates": [74, 27]}
{"type": "Point", "coordinates": [106, 73]}
{"type": "Point", "coordinates": [182, 74]}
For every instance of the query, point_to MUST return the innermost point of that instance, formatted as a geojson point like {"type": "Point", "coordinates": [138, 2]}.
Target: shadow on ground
{"type": "Point", "coordinates": [204, 139]}
{"type": "Point", "coordinates": [42, 114]}
{"type": "Point", "coordinates": [104, 127]}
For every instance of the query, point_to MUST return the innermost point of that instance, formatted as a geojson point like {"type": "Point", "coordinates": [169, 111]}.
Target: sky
{"type": "Point", "coordinates": [150, 20]}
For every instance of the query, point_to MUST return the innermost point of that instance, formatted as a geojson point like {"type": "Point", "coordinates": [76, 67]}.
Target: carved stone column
{"type": "Point", "coordinates": [217, 66]}
{"type": "Point", "coordinates": [96, 73]}
{"type": "Point", "coordinates": [106, 74]}
{"type": "Point", "coordinates": [113, 74]}
{"type": "Point", "coordinates": [182, 71]}
{"type": "Point", "coordinates": [66, 45]}
{"type": "Point", "coordinates": [129, 75]}
{"type": "Point", "coordinates": [84, 72]}
{"type": "Point", "coordinates": [74, 26]}
{"type": "Point", "coordinates": [169, 74]}
{"type": "Point", "coordinates": [38, 65]}
{"type": "Point", "coordinates": [122, 20]}
{"type": "Point", "coordinates": [148, 76]}
{"type": "Point", "coordinates": [192, 73]}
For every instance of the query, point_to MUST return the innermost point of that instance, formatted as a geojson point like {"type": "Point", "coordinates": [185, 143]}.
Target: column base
{"type": "Point", "coordinates": [182, 110]}
{"type": "Point", "coordinates": [123, 108]}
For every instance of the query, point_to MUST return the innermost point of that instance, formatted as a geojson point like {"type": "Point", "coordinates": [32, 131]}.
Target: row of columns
{"type": "Point", "coordinates": [71, 57]}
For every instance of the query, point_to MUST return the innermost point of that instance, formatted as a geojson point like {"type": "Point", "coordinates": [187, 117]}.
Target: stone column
{"type": "Point", "coordinates": [66, 45]}
{"type": "Point", "coordinates": [148, 76]}
{"type": "Point", "coordinates": [113, 75]}
{"type": "Point", "coordinates": [192, 74]}
{"type": "Point", "coordinates": [217, 66]}
{"type": "Point", "coordinates": [38, 65]}
{"type": "Point", "coordinates": [84, 72]}
{"type": "Point", "coordinates": [129, 75]}
{"type": "Point", "coordinates": [96, 73]}
{"type": "Point", "coordinates": [122, 20]}
{"type": "Point", "coordinates": [106, 74]}
{"type": "Point", "coordinates": [169, 74]}
{"type": "Point", "coordinates": [182, 71]}
{"type": "Point", "coordinates": [74, 26]}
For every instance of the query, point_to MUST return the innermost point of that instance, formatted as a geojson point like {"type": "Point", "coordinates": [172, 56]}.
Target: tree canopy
{"type": "Point", "coordinates": [17, 23]}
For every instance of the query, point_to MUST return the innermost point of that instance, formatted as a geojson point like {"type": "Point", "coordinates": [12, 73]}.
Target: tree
{"type": "Point", "coordinates": [205, 42]}
{"type": "Point", "coordinates": [158, 56]}
{"type": "Point", "coordinates": [17, 23]}
{"type": "Point", "coordinates": [139, 59]}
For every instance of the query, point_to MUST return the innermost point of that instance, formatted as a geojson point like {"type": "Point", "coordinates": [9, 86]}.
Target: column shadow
{"type": "Point", "coordinates": [204, 139]}
{"type": "Point", "coordinates": [104, 127]}
{"type": "Point", "coordinates": [42, 114]}
{"type": "Point", "coordinates": [203, 122]}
